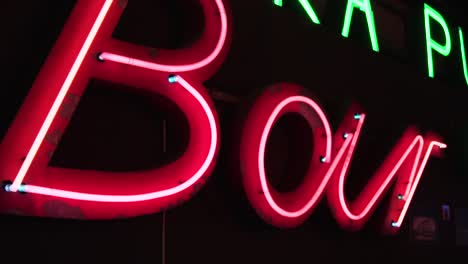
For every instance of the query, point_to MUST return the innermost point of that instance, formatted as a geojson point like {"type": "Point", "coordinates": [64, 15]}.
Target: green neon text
{"type": "Point", "coordinates": [307, 7]}
{"type": "Point", "coordinates": [463, 54]}
{"type": "Point", "coordinates": [364, 6]}
{"type": "Point", "coordinates": [430, 13]}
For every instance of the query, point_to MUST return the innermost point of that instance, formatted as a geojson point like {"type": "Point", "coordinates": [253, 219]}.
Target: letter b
{"type": "Point", "coordinates": [35, 132]}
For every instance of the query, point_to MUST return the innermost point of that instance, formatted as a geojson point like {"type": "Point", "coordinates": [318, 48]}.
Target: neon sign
{"type": "Point", "coordinates": [430, 14]}
{"type": "Point", "coordinates": [364, 6]}
{"type": "Point", "coordinates": [85, 50]}
{"type": "Point", "coordinates": [444, 49]}
{"type": "Point", "coordinates": [307, 8]}
{"type": "Point", "coordinates": [90, 52]}
{"type": "Point", "coordinates": [329, 165]}
{"type": "Point", "coordinates": [463, 54]}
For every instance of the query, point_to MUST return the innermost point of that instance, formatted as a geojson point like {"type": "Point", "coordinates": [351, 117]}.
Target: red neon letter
{"type": "Point", "coordinates": [26, 150]}
{"type": "Point", "coordinates": [291, 209]}
{"type": "Point", "coordinates": [328, 166]}
{"type": "Point", "coordinates": [405, 165]}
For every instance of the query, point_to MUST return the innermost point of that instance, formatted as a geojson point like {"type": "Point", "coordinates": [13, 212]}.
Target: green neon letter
{"type": "Point", "coordinates": [278, 2]}
{"type": "Point", "coordinates": [431, 44]}
{"type": "Point", "coordinates": [364, 6]}
{"type": "Point", "coordinates": [307, 7]}
{"type": "Point", "coordinates": [463, 54]}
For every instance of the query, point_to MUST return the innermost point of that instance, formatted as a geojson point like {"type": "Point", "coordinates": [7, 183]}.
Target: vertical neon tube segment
{"type": "Point", "coordinates": [60, 97]}
{"type": "Point", "coordinates": [307, 8]}
{"type": "Point", "coordinates": [364, 6]}
{"type": "Point", "coordinates": [463, 54]}
{"type": "Point", "coordinates": [178, 68]}
{"type": "Point", "coordinates": [415, 184]}
{"type": "Point", "coordinates": [146, 196]}
{"type": "Point", "coordinates": [262, 148]}
{"type": "Point", "coordinates": [431, 44]}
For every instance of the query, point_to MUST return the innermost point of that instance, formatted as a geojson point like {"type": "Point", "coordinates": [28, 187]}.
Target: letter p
{"type": "Point", "coordinates": [431, 44]}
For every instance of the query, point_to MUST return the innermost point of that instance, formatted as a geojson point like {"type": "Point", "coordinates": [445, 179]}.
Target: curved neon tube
{"type": "Point", "coordinates": [177, 68]}
{"type": "Point", "coordinates": [413, 181]}
{"type": "Point", "coordinates": [60, 97]}
{"type": "Point", "coordinates": [379, 192]}
{"type": "Point", "coordinates": [416, 182]}
{"type": "Point", "coordinates": [145, 196]}
{"type": "Point", "coordinates": [261, 156]}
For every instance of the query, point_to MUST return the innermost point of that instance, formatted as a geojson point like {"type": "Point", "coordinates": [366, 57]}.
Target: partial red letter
{"type": "Point", "coordinates": [403, 168]}
{"type": "Point", "coordinates": [26, 149]}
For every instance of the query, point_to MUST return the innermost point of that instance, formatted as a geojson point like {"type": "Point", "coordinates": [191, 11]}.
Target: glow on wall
{"type": "Point", "coordinates": [86, 50]}
{"type": "Point", "coordinates": [364, 6]}
{"type": "Point", "coordinates": [329, 165]}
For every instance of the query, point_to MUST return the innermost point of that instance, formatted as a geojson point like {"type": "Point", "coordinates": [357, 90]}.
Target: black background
{"type": "Point", "coordinates": [270, 45]}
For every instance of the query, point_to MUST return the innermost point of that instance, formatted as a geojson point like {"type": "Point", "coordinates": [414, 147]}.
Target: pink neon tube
{"type": "Point", "coordinates": [177, 68]}
{"type": "Point", "coordinates": [413, 181]}
{"type": "Point", "coordinates": [261, 156]}
{"type": "Point", "coordinates": [379, 192]}
{"type": "Point", "coordinates": [60, 97]}
{"type": "Point", "coordinates": [416, 181]}
{"type": "Point", "coordinates": [146, 196]}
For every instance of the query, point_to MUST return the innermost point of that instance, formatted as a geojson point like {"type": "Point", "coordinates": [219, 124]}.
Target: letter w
{"type": "Point", "coordinates": [405, 165]}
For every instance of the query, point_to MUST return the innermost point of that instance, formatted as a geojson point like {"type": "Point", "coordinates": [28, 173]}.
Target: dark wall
{"type": "Point", "coordinates": [270, 45]}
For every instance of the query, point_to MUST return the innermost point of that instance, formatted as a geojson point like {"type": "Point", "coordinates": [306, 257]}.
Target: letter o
{"type": "Point", "coordinates": [284, 209]}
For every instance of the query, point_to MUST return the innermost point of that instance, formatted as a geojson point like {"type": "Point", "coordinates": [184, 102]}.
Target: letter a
{"type": "Point", "coordinates": [364, 6]}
